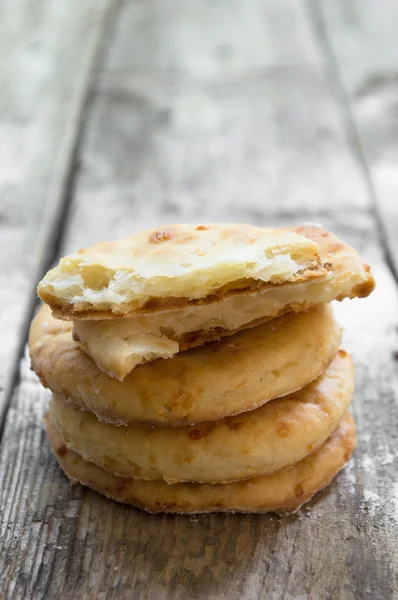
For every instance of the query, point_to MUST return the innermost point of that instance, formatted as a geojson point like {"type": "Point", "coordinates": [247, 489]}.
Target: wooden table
{"type": "Point", "coordinates": [115, 115]}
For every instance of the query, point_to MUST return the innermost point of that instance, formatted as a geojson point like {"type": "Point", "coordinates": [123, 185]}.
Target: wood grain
{"type": "Point", "coordinates": [203, 113]}
{"type": "Point", "coordinates": [206, 138]}
{"type": "Point", "coordinates": [362, 42]}
{"type": "Point", "coordinates": [43, 82]}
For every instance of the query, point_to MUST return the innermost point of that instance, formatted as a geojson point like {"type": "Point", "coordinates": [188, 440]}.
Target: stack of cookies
{"type": "Point", "coordinates": [198, 368]}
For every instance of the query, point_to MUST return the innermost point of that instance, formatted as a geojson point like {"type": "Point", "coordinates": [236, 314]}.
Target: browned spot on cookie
{"type": "Point", "coordinates": [363, 290]}
{"type": "Point", "coordinates": [62, 451]}
{"type": "Point", "coordinates": [202, 430]}
{"type": "Point", "coordinates": [159, 236]}
{"type": "Point", "coordinates": [298, 490]}
{"type": "Point", "coordinates": [122, 484]}
{"type": "Point", "coordinates": [282, 429]}
{"type": "Point", "coordinates": [337, 247]}
{"type": "Point", "coordinates": [310, 448]}
{"type": "Point", "coordinates": [328, 265]}
{"type": "Point", "coordinates": [342, 353]}
{"type": "Point", "coordinates": [196, 434]}
{"type": "Point", "coordinates": [202, 228]}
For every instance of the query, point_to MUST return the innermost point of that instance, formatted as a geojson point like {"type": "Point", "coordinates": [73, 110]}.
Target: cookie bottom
{"type": "Point", "coordinates": [281, 492]}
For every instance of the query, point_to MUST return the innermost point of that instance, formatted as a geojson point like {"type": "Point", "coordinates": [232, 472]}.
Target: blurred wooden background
{"type": "Point", "coordinates": [116, 115]}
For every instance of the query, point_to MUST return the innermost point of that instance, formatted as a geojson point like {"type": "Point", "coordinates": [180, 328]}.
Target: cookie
{"type": "Point", "coordinates": [270, 438]}
{"type": "Point", "coordinates": [282, 492]}
{"type": "Point", "coordinates": [222, 378]}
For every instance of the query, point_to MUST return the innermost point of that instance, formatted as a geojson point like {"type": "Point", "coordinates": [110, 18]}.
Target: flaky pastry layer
{"type": "Point", "coordinates": [119, 345]}
{"type": "Point", "coordinates": [176, 265]}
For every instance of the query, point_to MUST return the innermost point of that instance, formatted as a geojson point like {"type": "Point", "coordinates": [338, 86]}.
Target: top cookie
{"type": "Point", "coordinates": [117, 346]}
{"type": "Point", "coordinates": [176, 266]}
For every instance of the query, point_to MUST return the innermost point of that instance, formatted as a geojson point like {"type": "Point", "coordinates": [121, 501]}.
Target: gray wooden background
{"type": "Point", "coordinates": [115, 115]}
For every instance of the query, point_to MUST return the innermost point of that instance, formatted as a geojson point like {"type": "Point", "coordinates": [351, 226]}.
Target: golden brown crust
{"type": "Point", "coordinates": [282, 492]}
{"type": "Point", "coordinates": [157, 270]}
{"type": "Point", "coordinates": [255, 443]}
{"type": "Point", "coordinates": [338, 258]}
{"type": "Point", "coordinates": [219, 379]}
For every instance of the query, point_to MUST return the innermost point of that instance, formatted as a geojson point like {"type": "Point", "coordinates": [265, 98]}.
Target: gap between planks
{"type": "Point", "coordinates": [60, 192]}
{"type": "Point", "coordinates": [333, 73]}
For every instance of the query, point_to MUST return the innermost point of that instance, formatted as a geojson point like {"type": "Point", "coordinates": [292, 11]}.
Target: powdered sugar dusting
{"type": "Point", "coordinates": [388, 459]}
{"type": "Point", "coordinates": [350, 478]}
{"type": "Point", "coordinates": [371, 503]}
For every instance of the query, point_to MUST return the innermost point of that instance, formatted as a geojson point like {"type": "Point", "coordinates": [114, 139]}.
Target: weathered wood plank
{"type": "Point", "coordinates": [199, 135]}
{"type": "Point", "coordinates": [172, 136]}
{"type": "Point", "coordinates": [363, 39]}
{"type": "Point", "coordinates": [43, 82]}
